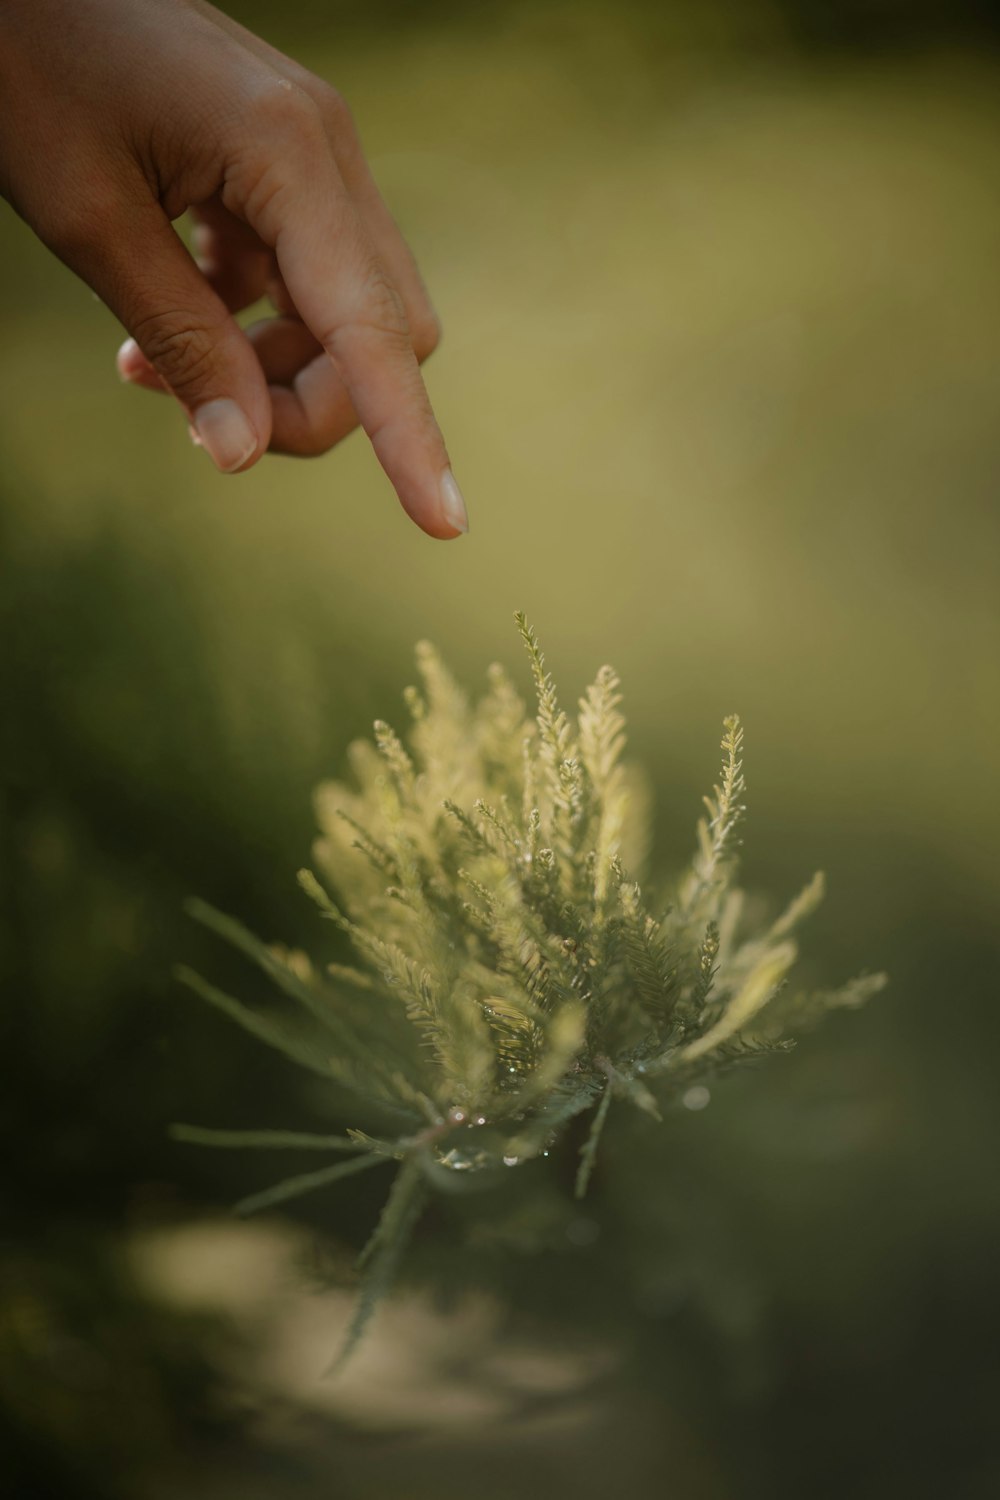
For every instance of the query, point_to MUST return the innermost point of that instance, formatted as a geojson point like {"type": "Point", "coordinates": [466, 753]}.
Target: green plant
{"type": "Point", "coordinates": [513, 975]}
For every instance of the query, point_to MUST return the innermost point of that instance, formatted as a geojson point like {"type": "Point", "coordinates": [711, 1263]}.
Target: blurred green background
{"type": "Point", "coordinates": [719, 285]}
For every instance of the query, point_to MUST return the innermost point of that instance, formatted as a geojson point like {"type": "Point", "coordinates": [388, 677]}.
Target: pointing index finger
{"type": "Point", "coordinates": [345, 298]}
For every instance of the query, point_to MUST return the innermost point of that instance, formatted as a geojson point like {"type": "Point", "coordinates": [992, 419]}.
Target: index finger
{"type": "Point", "coordinates": [301, 207]}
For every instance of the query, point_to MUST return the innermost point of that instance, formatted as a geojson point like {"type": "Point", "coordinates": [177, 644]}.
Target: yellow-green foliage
{"type": "Point", "coordinates": [512, 974]}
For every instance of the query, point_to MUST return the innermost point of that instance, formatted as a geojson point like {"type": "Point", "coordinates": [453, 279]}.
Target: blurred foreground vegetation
{"type": "Point", "coordinates": [722, 316]}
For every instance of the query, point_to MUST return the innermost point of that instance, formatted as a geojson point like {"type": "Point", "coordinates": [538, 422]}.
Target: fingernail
{"type": "Point", "coordinates": [452, 504]}
{"type": "Point", "coordinates": [224, 431]}
{"type": "Point", "coordinates": [130, 360]}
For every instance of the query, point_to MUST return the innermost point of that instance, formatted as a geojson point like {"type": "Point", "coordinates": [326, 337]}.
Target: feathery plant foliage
{"type": "Point", "coordinates": [511, 972]}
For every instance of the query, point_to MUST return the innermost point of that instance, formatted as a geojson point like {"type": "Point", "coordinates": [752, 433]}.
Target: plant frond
{"type": "Point", "coordinates": [305, 1182]}
{"type": "Point", "coordinates": [381, 1256]}
{"type": "Point", "coordinates": [804, 904]}
{"type": "Point", "coordinates": [725, 810]}
{"type": "Point", "coordinates": [588, 1152]}
{"type": "Point", "coordinates": [301, 1047]}
{"type": "Point", "coordinates": [281, 1140]}
{"type": "Point", "coordinates": [758, 988]}
{"type": "Point", "coordinates": [510, 974]}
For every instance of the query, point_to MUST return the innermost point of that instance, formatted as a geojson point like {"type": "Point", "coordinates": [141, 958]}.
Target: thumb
{"type": "Point", "coordinates": [144, 274]}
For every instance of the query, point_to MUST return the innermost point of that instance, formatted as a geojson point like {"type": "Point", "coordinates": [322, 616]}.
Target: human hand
{"type": "Point", "coordinates": [117, 116]}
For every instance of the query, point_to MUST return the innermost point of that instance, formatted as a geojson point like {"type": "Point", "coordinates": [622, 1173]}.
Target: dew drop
{"type": "Point", "coordinates": [457, 1161]}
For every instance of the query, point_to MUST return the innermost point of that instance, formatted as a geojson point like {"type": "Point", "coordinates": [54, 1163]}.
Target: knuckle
{"type": "Point", "coordinates": [314, 444]}
{"type": "Point", "coordinates": [310, 438]}
{"type": "Point", "coordinates": [335, 110]}
{"type": "Point", "coordinates": [283, 113]}
{"type": "Point", "coordinates": [382, 309]}
{"type": "Point", "coordinates": [181, 348]}
{"type": "Point", "coordinates": [380, 302]}
{"type": "Point", "coordinates": [379, 313]}
{"type": "Point", "coordinates": [287, 140]}
{"type": "Point", "coordinates": [259, 195]}
{"type": "Point", "coordinates": [392, 340]}
{"type": "Point", "coordinates": [426, 334]}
